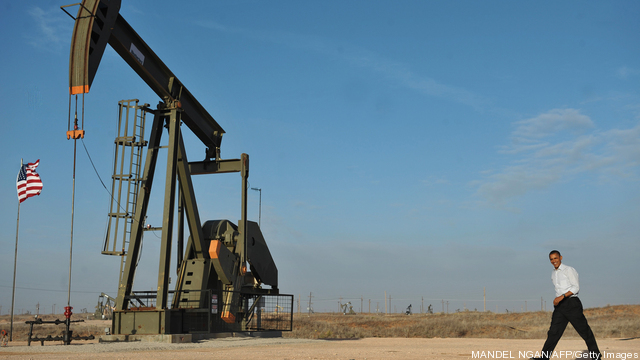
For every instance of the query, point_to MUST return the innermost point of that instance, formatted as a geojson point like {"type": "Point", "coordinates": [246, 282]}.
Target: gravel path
{"type": "Point", "coordinates": [279, 348]}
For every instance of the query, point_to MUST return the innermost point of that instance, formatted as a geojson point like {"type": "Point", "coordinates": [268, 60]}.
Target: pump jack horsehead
{"type": "Point", "coordinates": [224, 266]}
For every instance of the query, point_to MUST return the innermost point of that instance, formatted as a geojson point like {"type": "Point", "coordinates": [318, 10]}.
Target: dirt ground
{"type": "Point", "coordinates": [279, 348]}
{"type": "Point", "coordinates": [291, 348]}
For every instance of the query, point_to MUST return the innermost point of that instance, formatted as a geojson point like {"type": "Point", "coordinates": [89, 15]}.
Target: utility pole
{"type": "Point", "coordinates": [443, 306]}
{"type": "Point", "coordinates": [385, 303]}
{"type": "Point", "coordinates": [310, 296]}
{"type": "Point", "coordinates": [485, 299]}
{"type": "Point", "coordinates": [361, 302]}
{"type": "Point", "coordinates": [369, 306]}
{"type": "Point", "coordinates": [447, 306]}
{"type": "Point", "coordinates": [541, 308]}
{"type": "Point", "coordinates": [422, 305]}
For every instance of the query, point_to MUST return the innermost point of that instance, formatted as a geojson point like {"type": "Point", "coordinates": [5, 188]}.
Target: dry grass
{"type": "Point", "coordinates": [622, 321]}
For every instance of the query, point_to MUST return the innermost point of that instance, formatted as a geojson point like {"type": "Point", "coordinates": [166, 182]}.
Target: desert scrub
{"type": "Point", "coordinates": [622, 321]}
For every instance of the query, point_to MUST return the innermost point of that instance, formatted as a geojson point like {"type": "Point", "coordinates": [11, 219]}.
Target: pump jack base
{"type": "Point", "coordinates": [187, 338]}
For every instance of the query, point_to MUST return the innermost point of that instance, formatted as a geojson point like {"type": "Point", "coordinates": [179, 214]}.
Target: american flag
{"type": "Point", "coordinates": [29, 183]}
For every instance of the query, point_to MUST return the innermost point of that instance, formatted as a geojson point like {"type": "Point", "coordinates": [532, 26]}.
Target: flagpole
{"type": "Point", "coordinates": [15, 262]}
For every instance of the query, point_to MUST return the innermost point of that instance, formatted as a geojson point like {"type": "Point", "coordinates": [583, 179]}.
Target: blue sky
{"type": "Point", "coordinates": [425, 149]}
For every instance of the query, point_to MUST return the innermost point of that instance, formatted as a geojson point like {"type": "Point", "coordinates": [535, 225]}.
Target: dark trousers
{"type": "Point", "coordinates": [569, 311]}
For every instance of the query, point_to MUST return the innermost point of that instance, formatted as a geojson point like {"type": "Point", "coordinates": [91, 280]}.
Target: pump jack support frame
{"type": "Point", "coordinates": [215, 261]}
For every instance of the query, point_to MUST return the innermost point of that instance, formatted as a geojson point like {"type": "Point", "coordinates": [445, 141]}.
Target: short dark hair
{"type": "Point", "coordinates": [555, 252]}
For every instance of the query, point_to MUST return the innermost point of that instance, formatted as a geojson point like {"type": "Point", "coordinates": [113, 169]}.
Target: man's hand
{"type": "Point", "coordinates": [557, 300]}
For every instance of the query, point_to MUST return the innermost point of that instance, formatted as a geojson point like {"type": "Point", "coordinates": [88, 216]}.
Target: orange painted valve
{"type": "Point", "coordinates": [4, 338]}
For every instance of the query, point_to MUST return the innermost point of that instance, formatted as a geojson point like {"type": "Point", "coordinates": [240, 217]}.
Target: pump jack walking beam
{"type": "Point", "coordinates": [99, 23]}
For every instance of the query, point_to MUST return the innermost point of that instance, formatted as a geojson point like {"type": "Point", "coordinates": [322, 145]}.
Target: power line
{"type": "Point", "coordinates": [51, 290]}
{"type": "Point", "coordinates": [100, 178]}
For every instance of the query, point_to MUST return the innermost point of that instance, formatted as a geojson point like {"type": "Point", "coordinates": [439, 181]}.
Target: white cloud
{"type": "Point", "coordinates": [401, 73]}
{"type": "Point", "coordinates": [50, 28]}
{"type": "Point", "coordinates": [393, 70]}
{"type": "Point", "coordinates": [626, 144]}
{"type": "Point", "coordinates": [553, 147]}
{"type": "Point", "coordinates": [625, 72]}
{"type": "Point", "coordinates": [551, 123]}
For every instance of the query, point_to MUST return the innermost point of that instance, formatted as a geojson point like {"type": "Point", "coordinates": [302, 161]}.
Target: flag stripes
{"type": "Point", "coordinates": [28, 183]}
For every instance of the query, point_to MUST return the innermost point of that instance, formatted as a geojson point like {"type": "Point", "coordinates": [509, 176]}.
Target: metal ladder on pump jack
{"type": "Point", "coordinates": [132, 138]}
{"type": "Point", "coordinates": [137, 145]}
{"type": "Point", "coordinates": [126, 178]}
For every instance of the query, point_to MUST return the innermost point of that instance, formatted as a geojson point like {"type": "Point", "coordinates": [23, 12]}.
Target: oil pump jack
{"type": "Point", "coordinates": [222, 269]}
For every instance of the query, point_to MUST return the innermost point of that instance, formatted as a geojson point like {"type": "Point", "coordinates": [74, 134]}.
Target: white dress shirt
{"type": "Point", "coordinates": [565, 278]}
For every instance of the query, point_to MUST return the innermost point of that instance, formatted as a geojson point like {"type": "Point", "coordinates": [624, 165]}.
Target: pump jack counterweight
{"type": "Point", "coordinates": [223, 267]}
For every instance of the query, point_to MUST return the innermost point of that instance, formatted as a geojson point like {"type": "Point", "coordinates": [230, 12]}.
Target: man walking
{"type": "Point", "coordinates": [567, 308]}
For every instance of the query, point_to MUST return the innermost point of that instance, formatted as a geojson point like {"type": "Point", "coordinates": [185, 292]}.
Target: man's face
{"type": "Point", "coordinates": [555, 259]}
